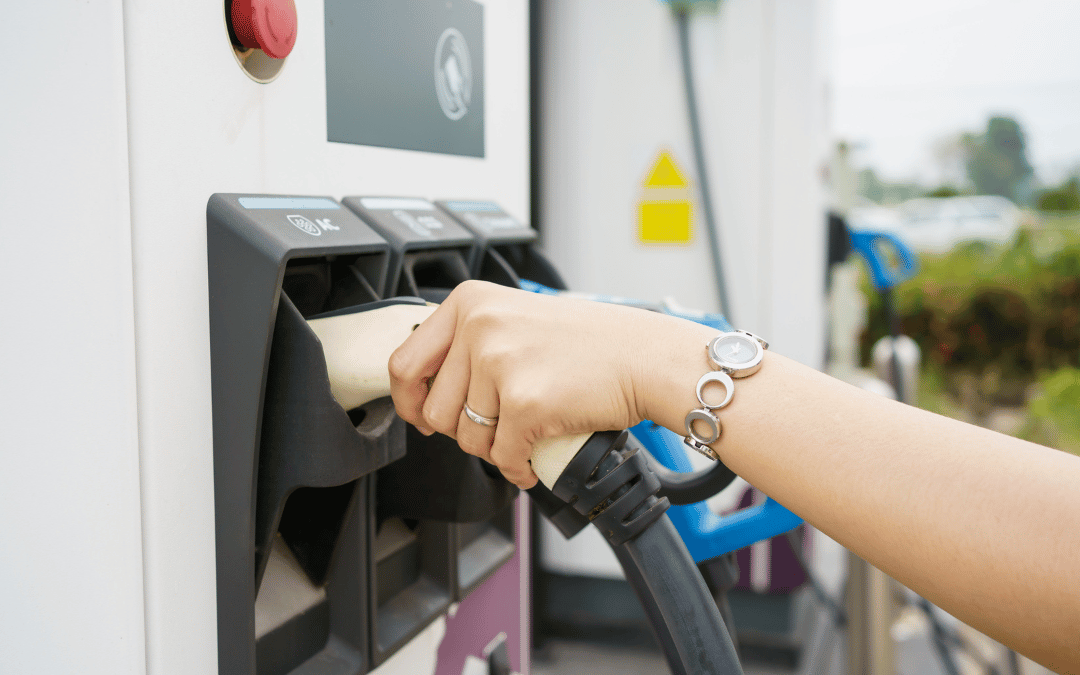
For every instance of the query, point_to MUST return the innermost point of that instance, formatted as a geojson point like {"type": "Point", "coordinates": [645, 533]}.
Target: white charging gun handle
{"type": "Point", "coordinates": [357, 348]}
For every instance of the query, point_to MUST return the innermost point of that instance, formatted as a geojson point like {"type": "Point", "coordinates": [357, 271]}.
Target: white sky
{"type": "Point", "coordinates": [907, 74]}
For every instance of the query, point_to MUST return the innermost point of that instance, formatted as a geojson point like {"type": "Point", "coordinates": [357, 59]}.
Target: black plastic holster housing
{"type": "Point", "coordinates": [290, 466]}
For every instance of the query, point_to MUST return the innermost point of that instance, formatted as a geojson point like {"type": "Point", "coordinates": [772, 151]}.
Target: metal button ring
{"type": "Point", "coordinates": [702, 415]}
{"type": "Point", "coordinates": [764, 345]}
{"type": "Point", "coordinates": [715, 376]}
{"type": "Point", "coordinates": [703, 449]}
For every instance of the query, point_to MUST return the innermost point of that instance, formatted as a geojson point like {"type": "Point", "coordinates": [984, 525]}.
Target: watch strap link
{"type": "Point", "coordinates": [724, 373]}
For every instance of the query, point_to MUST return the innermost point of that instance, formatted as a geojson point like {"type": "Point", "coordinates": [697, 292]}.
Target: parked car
{"type": "Point", "coordinates": [935, 225]}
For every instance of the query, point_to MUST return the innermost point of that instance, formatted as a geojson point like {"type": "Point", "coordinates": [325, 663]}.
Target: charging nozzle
{"type": "Point", "coordinates": [358, 344]}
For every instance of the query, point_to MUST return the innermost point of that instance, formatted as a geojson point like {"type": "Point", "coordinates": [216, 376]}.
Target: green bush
{"type": "Point", "coordinates": [1065, 197]}
{"type": "Point", "coordinates": [944, 191]}
{"type": "Point", "coordinates": [1001, 314]}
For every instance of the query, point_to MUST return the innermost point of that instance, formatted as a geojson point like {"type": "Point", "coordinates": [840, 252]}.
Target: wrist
{"type": "Point", "coordinates": [675, 360]}
{"type": "Point", "coordinates": [669, 383]}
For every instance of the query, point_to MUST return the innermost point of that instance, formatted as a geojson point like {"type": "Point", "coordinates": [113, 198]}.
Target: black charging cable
{"type": "Point", "coordinates": [610, 485]}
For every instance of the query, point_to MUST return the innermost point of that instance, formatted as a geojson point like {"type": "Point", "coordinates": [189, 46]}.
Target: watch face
{"type": "Point", "coordinates": [735, 350]}
{"type": "Point", "coordinates": [738, 354]}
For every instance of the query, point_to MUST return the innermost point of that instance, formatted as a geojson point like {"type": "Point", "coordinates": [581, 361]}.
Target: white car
{"type": "Point", "coordinates": [935, 225]}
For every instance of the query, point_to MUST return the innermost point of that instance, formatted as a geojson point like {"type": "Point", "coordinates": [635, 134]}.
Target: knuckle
{"type": "Point", "coordinates": [523, 401]}
{"type": "Point", "coordinates": [499, 459]}
{"type": "Point", "coordinates": [472, 286]}
{"type": "Point", "coordinates": [398, 365]}
{"type": "Point", "coordinates": [551, 430]}
{"type": "Point", "coordinates": [406, 413]}
{"type": "Point", "coordinates": [481, 317]}
{"type": "Point", "coordinates": [468, 292]}
{"type": "Point", "coordinates": [519, 478]}
{"type": "Point", "coordinates": [491, 355]}
{"type": "Point", "coordinates": [474, 446]}
{"type": "Point", "coordinates": [438, 418]}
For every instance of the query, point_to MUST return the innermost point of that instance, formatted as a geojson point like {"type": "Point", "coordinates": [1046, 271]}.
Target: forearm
{"type": "Point", "coordinates": [984, 525]}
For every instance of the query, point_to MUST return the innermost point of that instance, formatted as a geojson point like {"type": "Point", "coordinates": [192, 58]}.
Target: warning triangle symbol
{"type": "Point", "coordinates": [665, 174]}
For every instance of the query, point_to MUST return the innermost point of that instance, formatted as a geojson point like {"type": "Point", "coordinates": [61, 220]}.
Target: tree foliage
{"type": "Point", "coordinates": [879, 191]}
{"type": "Point", "coordinates": [997, 162]}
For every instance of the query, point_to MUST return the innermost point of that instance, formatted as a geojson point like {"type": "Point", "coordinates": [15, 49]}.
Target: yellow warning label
{"type": "Point", "coordinates": [664, 222]}
{"type": "Point", "coordinates": [665, 212]}
{"type": "Point", "coordinates": [665, 174]}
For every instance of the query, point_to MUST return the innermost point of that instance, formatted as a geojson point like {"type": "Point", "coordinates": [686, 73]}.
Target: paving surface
{"type": "Point", "coordinates": [579, 658]}
{"type": "Point", "coordinates": [915, 655]}
{"type": "Point", "coordinates": [825, 652]}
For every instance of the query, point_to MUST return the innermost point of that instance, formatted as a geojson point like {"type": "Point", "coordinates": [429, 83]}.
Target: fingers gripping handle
{"type": "Point", "coordinates": [357, 347]}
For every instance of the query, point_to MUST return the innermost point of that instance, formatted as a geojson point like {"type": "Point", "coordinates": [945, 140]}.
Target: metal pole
{"type": "Point", "coordinates": [682, 20]}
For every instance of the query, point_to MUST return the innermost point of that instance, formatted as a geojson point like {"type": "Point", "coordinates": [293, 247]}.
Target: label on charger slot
{"type": "Point", "coordinates": [425, 226]}
{"type": "Point", "coordinates": [291, 203]}
{"type": "Point", "coordinates": [410, 222]}
{"type": "Point", "coordinates": [396, 203]}
{"type": "Point", "coordinates": [488, 221]}
{"type": "Point", "coordinates": [300, 222]}
{"type": "Point", "coordinates": [491, 224]}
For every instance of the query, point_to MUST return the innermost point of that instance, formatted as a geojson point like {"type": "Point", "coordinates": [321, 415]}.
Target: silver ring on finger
{"type": "Point", "coordinates": [480, 419]}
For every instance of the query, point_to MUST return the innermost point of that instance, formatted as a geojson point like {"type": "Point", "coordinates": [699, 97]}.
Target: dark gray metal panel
{"type": "Point", "coordinates": [406, 74]}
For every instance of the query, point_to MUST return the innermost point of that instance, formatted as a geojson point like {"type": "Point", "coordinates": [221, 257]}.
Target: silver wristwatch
{"type": "Point", "coordinates": [737, 353]}
{"type": "Point", "coordinates": [733, 355]}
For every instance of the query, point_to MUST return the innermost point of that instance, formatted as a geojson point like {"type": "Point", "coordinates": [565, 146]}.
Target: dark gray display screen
{"type": "Point", "coordinates": [406, 74]}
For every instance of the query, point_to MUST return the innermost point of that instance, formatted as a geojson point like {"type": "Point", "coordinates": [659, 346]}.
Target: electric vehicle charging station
{"type": "Point", "coordinates": [171, 110]}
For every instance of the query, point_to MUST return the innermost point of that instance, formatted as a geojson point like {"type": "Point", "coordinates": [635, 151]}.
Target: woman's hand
{"type": "Point", "coordinates": [544, 366]}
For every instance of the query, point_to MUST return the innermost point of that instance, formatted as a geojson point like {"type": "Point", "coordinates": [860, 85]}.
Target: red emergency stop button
{"type": "Point", "coordinates": [269, 25]}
